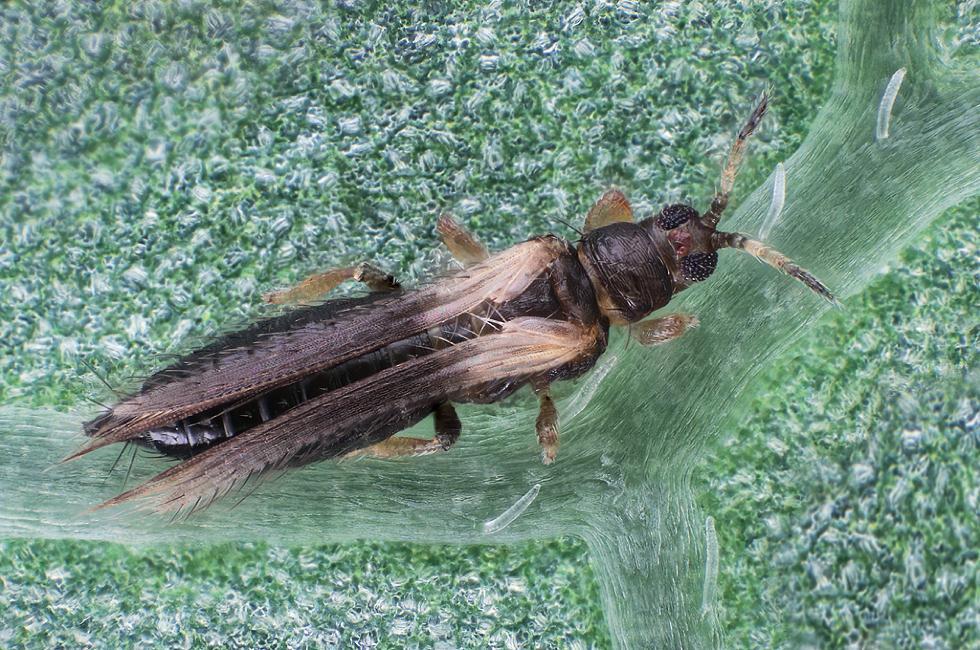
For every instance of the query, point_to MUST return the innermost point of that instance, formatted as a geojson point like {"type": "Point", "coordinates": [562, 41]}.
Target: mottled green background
{"type": "Point", "coordinates": [163, 164]}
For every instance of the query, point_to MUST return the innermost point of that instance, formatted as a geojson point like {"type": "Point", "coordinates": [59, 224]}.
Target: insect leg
{"type": "Point", "coordinates": [375, 278]}
{"type": "Point", "coordinates": [735, 157]}
{"type": "Point", "coordinates": [461, 243]}
{"type": "Point", "coordinates": [320, 283]}
{"type": "Point", "coordinates": [547, 426]}
{"type": "Point", "coordinates": [611, 207]}
{"type": "Point", "coordinates": [447, 426]}
{"type": "Point", "coordinates": [660, 330]}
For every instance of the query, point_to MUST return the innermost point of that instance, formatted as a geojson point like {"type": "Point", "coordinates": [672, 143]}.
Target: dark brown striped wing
{"type": "Point", "coordinates": [234, 374]}
{"type": "Point", "coordinates": [350, 418]}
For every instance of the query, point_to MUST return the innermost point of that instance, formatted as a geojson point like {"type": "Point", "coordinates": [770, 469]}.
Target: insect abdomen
{"type": "Point", "coordinates": [194, 434]}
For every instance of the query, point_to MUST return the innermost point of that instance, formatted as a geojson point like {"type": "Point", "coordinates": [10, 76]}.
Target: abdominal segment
{"type": "Point", "coordinates": [194, 434]}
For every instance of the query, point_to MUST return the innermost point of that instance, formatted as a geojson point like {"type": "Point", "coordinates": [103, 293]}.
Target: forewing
{"type": "Point", "coordinates": [612, 207]}
{"type": "Point", "coordinates": [351, 417]}
{"type": "Point", "coordinates": [235, 374]}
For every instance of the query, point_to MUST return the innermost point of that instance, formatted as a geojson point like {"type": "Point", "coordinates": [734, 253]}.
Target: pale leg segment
{"type": "Point", "coordinates": [462, 244]}
{"type": "Point", "coordinates": [447, 427]}
{"type": "Point", "coordinates": [612, 207]}
{"type": "Point", "coordinates": [547, 427]}
{"type": "Point", "coordinates": [319, 284]}
{"type": "Point", "coordinates": [660, 330]}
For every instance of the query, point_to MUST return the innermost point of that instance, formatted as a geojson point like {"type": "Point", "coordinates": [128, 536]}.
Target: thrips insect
{"type": "Point", "coordinates": [341, 378]}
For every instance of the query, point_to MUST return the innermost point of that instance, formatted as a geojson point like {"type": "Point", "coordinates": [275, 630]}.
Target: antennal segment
{"type": "Point", "coordinates": [735, 157]}
{"type": "Point", "coordinates": [773, 258]}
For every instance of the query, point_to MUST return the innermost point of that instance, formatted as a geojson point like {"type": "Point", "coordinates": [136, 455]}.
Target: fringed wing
{"type": "Point", "coordinates": [354, 416]}
{"type": "Point", "coordinates": [234, 374]}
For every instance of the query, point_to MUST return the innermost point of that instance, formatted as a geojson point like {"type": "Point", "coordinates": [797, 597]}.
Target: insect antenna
{"type": "Point", "coordinates": [773, 258]}
{"type": "Point", "coordinates": [735, 158]}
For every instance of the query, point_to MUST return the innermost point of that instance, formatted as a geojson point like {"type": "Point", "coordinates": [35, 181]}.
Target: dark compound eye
{"type": "Point", "coordinates": [675, 215]}
{"type": "Point", "coordinates": [698, 266]}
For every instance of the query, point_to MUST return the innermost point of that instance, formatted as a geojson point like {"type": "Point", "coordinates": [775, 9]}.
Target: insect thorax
{"type": "Point", "coordinates": [627, 270]}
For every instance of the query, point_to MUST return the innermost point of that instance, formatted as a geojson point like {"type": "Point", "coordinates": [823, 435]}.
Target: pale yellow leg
{"type": "Point", "coordinates": [460, 242]}
{"type": "Point", "coordinates": [660, 330]}
{"type": "Point", "coordinates": [612, 207]}
{"type": "Point", "coordinates": [447, 426]}
{"type": "Point", "coordinates": [320, 284]}
{"type": "Point", "coordinates": [396, 447]}
{"type": "Point", "coordinates": [547, 427]}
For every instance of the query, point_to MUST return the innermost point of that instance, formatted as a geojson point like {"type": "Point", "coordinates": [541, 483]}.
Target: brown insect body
{"type": "Point", "coordinates": [562, 291]}
{"type": "Point", "coordinates": [342, 378]}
